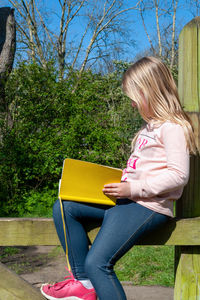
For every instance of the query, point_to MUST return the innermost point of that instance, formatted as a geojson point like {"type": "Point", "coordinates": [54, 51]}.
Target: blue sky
{"type": "Point", "coordinates": [134, 23]}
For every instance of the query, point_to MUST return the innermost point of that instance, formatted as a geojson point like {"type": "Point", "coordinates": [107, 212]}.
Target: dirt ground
{"type": "Point", "coordinates": [40, 264]}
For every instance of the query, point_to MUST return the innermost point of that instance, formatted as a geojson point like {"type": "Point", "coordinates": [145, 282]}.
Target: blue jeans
{"type": "Point", "coordinates": [122, 226]}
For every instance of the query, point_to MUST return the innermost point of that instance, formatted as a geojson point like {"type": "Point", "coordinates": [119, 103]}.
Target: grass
{"type": "Point", "coordinates": [7, 251]}
{"type": "Point", "coordinates": [147, 265]}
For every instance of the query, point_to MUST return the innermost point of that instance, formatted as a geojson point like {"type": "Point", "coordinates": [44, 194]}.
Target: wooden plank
{"type": "Point", "coordinates": [12, 287]}
{"type": "Point", "coordinates": [187, 284]}
{"type": "Point", "coordinates": [29, 232]}
{"type": "Point", "coordinates": [188, 81]}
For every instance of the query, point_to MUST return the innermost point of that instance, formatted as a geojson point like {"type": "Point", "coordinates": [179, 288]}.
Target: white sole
{"type": "Point", "coordinates": [65, 298]}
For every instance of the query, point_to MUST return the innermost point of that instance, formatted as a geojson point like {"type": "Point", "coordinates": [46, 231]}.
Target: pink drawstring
{"type": "Point", "coordinates": [59, 285]}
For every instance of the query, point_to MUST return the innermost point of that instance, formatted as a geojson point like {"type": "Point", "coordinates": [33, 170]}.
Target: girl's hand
{"type": "Point", "coordinates": [118, 190]}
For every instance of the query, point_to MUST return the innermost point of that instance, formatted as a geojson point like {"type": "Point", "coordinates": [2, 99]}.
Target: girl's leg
{"type": "Point", "coordinates": [122, 226]}
{"type": "Point", "coordinates": [76, 215]}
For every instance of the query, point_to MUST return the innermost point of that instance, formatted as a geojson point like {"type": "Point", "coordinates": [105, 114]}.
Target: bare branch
{"type": "Point", "coordinates": [145, 29]}
{"type": "Point", "coordinates": [22, 31]}
{"type": "Point", "coordinates": [74, 14]}
{"type": "Point", "coordinates": [156, 2]}
{"type": "Point", "coordinates": [175, 3]}
{"type": "Point", "coordinates": [99, 28]}
{"type": "Point", "coordinates": [16, 5]}
{"type": "Point", "coordinates": [80, 45]}
{"type": "Point", "coordinates": [44, 25]}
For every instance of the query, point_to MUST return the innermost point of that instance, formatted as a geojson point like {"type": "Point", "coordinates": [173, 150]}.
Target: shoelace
{"type": "Point", "coordinates": [69, 279]}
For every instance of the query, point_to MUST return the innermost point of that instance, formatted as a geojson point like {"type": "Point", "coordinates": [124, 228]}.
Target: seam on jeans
{"type": "Point", "coordinates": [69, 242]}
{"type": "Point", "coordinates": [116, 289]}
{"type": "Point", "coordinates": [65, 235]}
{"type": "Point", "coordinates": [117, 252]}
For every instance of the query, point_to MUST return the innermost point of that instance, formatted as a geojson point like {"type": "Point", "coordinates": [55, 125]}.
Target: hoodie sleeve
{"type": "Point", "coordinates": [176, 173]}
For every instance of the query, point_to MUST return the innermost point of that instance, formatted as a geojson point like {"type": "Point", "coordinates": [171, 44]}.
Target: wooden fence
{"type": "Point", "coordinates": [183, 232]}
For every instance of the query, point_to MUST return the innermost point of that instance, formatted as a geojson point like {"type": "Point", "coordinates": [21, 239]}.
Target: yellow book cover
{"type": "Point", "coordinates": [83, 181]}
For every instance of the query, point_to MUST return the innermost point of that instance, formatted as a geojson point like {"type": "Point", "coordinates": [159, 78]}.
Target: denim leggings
{"type": "Point", "coordinates": [122, 226]}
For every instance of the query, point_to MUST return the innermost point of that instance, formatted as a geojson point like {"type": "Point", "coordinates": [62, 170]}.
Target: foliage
{"type": "Point", "coordinates": [8, 251]}
{"type": "Point", "coordinates": [49, 120]}
{"type": "Point", "coordinates": [37, 203]}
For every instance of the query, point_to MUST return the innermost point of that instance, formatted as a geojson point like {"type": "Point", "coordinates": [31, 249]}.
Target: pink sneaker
{"type": "Point", "coordinates": [69, 289]}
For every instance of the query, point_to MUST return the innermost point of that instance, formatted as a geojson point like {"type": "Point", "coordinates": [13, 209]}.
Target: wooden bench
{"type": "Point", "coordinates": [34, 231]}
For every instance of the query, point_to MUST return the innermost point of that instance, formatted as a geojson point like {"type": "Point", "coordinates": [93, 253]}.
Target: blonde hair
{"type": "Point", "coordinates": [151, 78]}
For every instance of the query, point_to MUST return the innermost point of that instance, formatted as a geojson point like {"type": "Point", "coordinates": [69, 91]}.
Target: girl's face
{"type": "Point", "coordinates": [144, 105]}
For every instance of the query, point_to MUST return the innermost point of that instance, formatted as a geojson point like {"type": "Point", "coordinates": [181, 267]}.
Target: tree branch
{"type": "Point", "coordinates": [173, 33]}
{"type": "Point", "coordinates": [145, 29]}
{"type": "Point", "coordinates": [100, 28]}
{"type": "Point", "coordinates": [158, 28]}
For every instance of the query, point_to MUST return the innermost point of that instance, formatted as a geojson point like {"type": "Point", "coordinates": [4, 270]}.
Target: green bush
{"type": "Point", "coordinates": [37, 203]}
{"type": "Point", "coordinates": [49, 120]}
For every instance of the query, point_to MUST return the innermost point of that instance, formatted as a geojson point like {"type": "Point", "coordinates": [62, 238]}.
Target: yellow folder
{"type": "Point", "coordinates": [83, 182]}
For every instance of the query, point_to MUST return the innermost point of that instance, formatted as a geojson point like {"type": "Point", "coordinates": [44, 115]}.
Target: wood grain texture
{"type": "Point", "coordinates": [188, 80]}
{"type": "Point", "coordinates": [30, 232]}
{"type": "Point", "coordinates": [187, 284]}
{"type": "Point", "coordinates": [27, 232]}
{"type": "Point", "coordinates": [12, 287]}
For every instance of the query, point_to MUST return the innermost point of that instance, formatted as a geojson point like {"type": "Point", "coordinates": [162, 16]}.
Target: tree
{"type": "Point", "coordinates": [7, 50]}
{"type": "Point", "coordinates": [102, 26]}
{"type": "Point", "coordinates": [164, 44]}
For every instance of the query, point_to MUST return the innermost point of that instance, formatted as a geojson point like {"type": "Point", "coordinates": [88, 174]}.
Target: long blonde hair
{"type": "Point", "coordinates": [150, 77]}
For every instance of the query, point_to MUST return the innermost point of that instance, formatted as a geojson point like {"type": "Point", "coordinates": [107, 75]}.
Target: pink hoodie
{"type": "Point", "coordinates": [158, 168]}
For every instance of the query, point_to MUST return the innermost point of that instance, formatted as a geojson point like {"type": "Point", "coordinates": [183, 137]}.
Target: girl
{"type": "Point", "coordinates": [156, 173]}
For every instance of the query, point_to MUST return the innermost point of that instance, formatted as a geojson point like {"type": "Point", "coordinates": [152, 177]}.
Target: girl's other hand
{"type": "Point", "coordinates": [118, 190]}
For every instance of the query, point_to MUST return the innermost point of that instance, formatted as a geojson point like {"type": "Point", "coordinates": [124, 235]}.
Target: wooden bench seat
{"type": "Point", "coordinates": [41, 231]}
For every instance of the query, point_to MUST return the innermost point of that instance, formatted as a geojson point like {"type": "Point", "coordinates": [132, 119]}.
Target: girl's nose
{"type": "Point", "coordinates": [133, 104]}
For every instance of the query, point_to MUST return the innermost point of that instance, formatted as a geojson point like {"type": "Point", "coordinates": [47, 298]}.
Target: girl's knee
{"type": "Point", "coordinates": [90, 264]}
{"type": "Point", "coordinates": [93, 264]}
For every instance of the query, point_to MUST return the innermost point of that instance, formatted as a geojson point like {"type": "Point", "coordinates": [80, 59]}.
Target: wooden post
{"type": "Point", "coordinates": [12, 287]}
{"type": "Point", "coordinates": [187, 283]}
